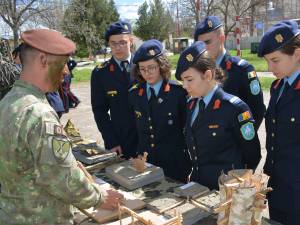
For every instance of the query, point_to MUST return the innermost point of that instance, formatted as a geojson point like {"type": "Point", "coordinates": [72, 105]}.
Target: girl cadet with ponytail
{"type": "Point", "coordinates": [220, 132]}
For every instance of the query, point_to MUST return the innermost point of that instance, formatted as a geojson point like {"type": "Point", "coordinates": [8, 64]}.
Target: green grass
{"type": "Point", "coordinates": [83, 75]}
{"type": "Point", "coordinates": [266, 82]}
{"type": "Point", "coordinates": [259, 63]}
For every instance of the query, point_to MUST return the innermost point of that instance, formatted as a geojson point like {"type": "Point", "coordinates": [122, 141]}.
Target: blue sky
{"type": "Point", "coordinates": [128, 8]}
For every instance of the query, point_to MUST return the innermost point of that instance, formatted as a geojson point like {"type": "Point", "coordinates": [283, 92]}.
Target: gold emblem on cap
{"type": "Point", "coordinates": [151, 52]}
{"type": "Point", "coordinates": [210, 24]}
{"type": "Point", "coordinates": [126, 27]}
{"type": "Point", "coordinates": [279, 38]}
{"type": "Point", "coordinates": [189, 57]}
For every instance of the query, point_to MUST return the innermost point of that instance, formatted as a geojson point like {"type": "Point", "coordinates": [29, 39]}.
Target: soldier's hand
{"type": "Point", "coordinates": [112, 200]}
{"type": "Point", "coordinates": [117, 149]}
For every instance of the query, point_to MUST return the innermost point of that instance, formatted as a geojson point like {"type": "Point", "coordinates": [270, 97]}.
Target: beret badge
{"type": "Point", "coordinates": [209, 23]}
{"type": "Point", "coordinates": [279, 38]}
{"type": "Point", "coordinates": [151, 52]}
{"type": "Point", "coordinates": [189, 58]}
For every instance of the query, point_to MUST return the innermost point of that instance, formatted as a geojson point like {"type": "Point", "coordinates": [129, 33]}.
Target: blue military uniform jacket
{"type": "Point", "coordinates": [223, 138]}
{"type": "Point", "coordinates": [109, 92]}
{"type": "Point", "coordinates": [283, 149]}
{"type": "Point", "coordinates": [55, 101]}
{"type": "Point", "coordinates": [161, 132]}
{"type": "Point", "coordinates": [242, 82]}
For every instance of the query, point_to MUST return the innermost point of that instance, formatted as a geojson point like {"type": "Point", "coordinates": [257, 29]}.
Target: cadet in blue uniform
{"type": "Point", "coordinates": [241, 79]}
{"type": "Point", "coordinates": [280, 46]}
{"type": "Point", "coordinates": [220, 132]}
{"type": "Point", "coordinates": [160, 111]}
{"type": "Point", "coordinates": [110, 83]}
{"type": "Point", "coordinates": [56, 102]}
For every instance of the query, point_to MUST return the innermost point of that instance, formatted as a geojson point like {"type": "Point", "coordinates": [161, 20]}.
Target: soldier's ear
{"type": "Point", "coordinates": [208, 75]}
{"type": "Point", "coordinates": [297, 54]}
{"type": "Point", "coordinates": [43, 59]}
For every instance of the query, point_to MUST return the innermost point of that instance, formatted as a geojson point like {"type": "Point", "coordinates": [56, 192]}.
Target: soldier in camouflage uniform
{"type": "Point", "coordinates": [40, 179]}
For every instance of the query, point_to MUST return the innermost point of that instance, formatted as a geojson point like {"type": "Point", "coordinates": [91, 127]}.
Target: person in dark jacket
{"type": "Point", "coordinates": [241, 78]}
{"type": "Point", "coordinates": [280, 46]}
{"type": "Point", "coordinates": [220, 132]}
{"type": "Point", "coordinates": [110, 83]}
{"type": "Point", "coordinates": [160, 111]}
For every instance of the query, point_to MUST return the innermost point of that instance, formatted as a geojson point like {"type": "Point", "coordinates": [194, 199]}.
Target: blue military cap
{"type": "Point", "coordinates": [278, 36]}
{"type": "Point", "coordinates": [210, 23]}
{"type": "Point", "coordinates": [120, 27]}
{"type": "Point", "coordinates": [148, 50]}
{"type": "Point", "coordinates": [188, 57]}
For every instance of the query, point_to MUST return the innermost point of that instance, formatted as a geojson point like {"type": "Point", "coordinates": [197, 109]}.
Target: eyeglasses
{"type": "Point", "coordinates": [149, 69]}
{"type": "Point", "coordinates": [120, 44]}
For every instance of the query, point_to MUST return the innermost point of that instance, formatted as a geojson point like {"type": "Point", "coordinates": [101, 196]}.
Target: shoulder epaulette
{"type": "Point", "coordinates": [104, 64]}
{"type": "Point", "coordinates": [234, 99]}
{"type": "Point", "coordinates": [134, 87]}
{"type": "Point", "coordinates": [238, 61]}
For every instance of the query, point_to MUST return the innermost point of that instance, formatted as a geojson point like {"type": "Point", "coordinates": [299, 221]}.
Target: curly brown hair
{"type": "Point", "coordinates": [205, 62]}
{"type": "Point", "coordinates": [164, 68]}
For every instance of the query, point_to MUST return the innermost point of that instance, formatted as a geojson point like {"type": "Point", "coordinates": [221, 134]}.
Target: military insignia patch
{"type": "Point", "coordinates": [279, 38]}
{"type": "Point", "coordinates": [297, 87]}
{"type": "Point", "coordinates": [255, 87]}
{"type": "Point", "coordinates": [248, 131]}
{"type": "Point", "coordinates": [160, 100]}
{"type": "Point", "coordinates": [209, 23]}
{"type": "Point", "coordinates": [167, 88]}
{"type": "Point", "coordinates": [189, 58]}
{"type": "Point", "coordinates": [244, 116]}
{"type": "Point", "coordinates": [217, 104]}
{"type": "Point", "coordinates": [213, 126]}
{"type": "Point", "coordinates": [252, 74]}
{"type": "Point", "coordinates": [141, 91]}
{"type": "Point", "coordinates": [138, 114]}
{"type": "Point", "coordinates": [228, 65]}
{"type": "Point", "coordinates": [151, 52]}
{"type": "Point", "coordinates": [112, 93]}
{"type": "Point", "coordinates": [61, 148]}
{"type": "Point", "coordinates": [58, 129]}
{"type": "Point", "coordinates": [111, 68]}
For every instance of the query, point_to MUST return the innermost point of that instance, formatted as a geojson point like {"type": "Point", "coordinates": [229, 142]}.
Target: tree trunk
{"type": "Point", "coordinates": [16, 35]}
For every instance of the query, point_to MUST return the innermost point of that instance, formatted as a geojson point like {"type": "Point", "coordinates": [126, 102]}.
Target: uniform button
{"type": "Point", "coordinates": [194, 147]}
{"type": "Point", "coordinates": [197, 168]}
{"type": "Point", "coordinates": [293, 119]}
{"type": "Point", "coordinates": [169, 114]}
{"type": "Point", "coordinates": [214, 134]}
{"type": "Point", "coordinates": [272, 148]}
{"type": "Point", "coordinates": [273, 134]}
{"type": "Point", "coordinates": [152, 136]}
{"type": "Point", "coordinates": [152, 145]}
{"type": "Point", "coordinates": [150, 127]}
{"type": "Point", "coordinates": [149, 118]}
{"type": "Point", "coordinates": [273, 120]}
{"type": "Point", "coordinates": [272, 162]}
{"type": "Point", "coordinates": [196, 158]}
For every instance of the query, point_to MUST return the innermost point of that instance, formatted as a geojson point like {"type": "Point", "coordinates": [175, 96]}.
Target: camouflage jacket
{"type": "Point", "coordinates": [39, 177]}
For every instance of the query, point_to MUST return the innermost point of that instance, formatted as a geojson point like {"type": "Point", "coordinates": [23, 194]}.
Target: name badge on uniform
{"type": "Point", "coordinates": [112, 93]}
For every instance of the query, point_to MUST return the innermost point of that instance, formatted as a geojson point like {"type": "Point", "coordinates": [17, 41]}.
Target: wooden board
{"type": "Point", "coordinates": [154, 217]}
{"type": "Point", "coordinates": [164, 203]}
{"type": "Point", "coordinates": [104, 216]}
{"type": "Point", "coordinates": [190, 213]}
